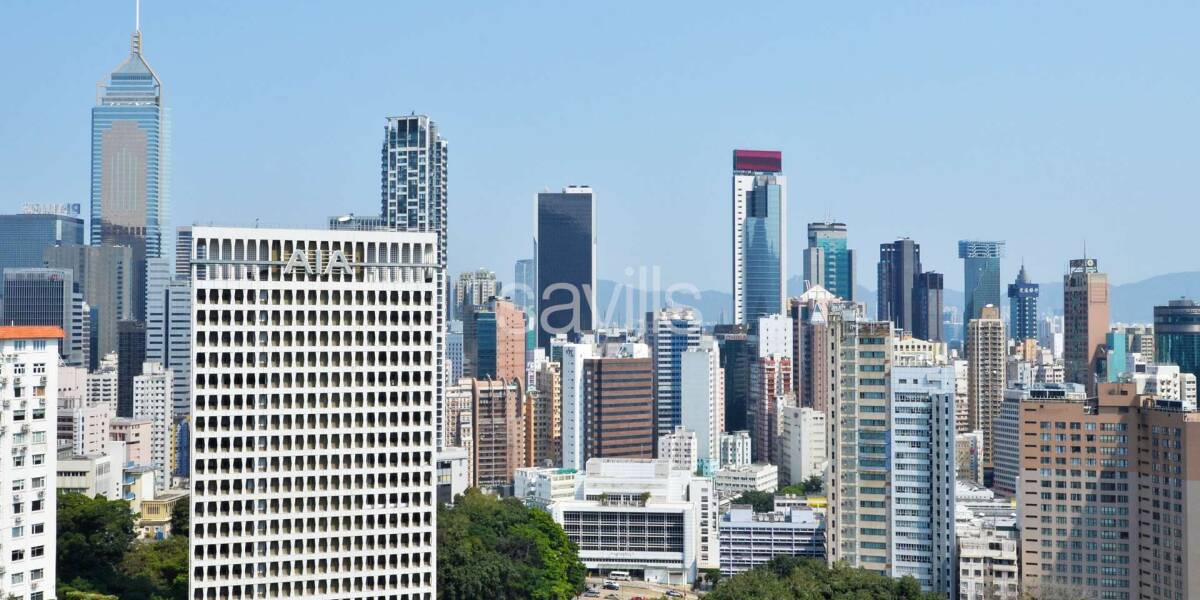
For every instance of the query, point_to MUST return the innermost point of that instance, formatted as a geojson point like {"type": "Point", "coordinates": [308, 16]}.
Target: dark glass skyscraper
{"type": "Point", "coordinates": [899, 265]}
{"type": "Point", "coordinates": [24, 237]}
{"type": "Point", "coordinates": [129, 165]}
{"type": "Point", "coordinates": [981, 275]}
{"type": "Point", "coordinates": [1177, 334]}
{"type": "Point", "coordinates": [131, 353]}
{"type": "Point", "coordinates": [565, 246]}
{"type": "Point", "coordinates": [927, 307]}
{"type": "Point", "coordinates": [759, 234]}
{"type": "Point", "coordinates": [48, 297]}
{"type": "Point", "coordinates": [1023, 307]}
{"type": "Point", "coordinates": [827, 261]}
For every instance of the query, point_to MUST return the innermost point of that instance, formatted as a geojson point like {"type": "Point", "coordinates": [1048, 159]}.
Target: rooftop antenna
{"type": "Point", "coordinates": [137, 15]}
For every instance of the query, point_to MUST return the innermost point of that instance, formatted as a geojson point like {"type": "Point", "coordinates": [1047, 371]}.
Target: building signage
{"type": "Point", "coordinates": [335, 260]}
{"type": "Point", "coordinates": [66, 210]}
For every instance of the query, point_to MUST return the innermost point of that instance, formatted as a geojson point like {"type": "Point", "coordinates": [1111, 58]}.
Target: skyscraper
{"type": "Point", "coordinates": [702, 400]}
{"type": "Point", "coordinates": [168, 328]}
{"type": "Point", "coordinates": [737, 352]}
{"type": "Point", "coordinates": [24, 237]}
{"type": "Point", "coordinates": [104, 275]}
{"type": "Point", "coordinates": [183, 249]}
{"type": "Point", "coordinates": [499, 444]}
{"type": "Point", "coordinates": [565, 248]}
{"type": "Point", "coordinates": [927, 307]}
{"type": "Point", "coordinates": [670, 332]}
{"type": "Point", "coordinates": [130, 142]}
{"type": "Point", "coordinates": [374, 482]}
{"type": "Point", "coordinates": [48, 297]}
{"type": "Point", "coordinates": [1023, 307]}
{"type": "Point", "coordinates": [827, 261]}
{"type": "Point", "coordinates": [981, 275]}
{"type": "Point", "coordinates": [1085, 321]}
{"type": "Point", "coordinates": [131, 355]}
{"type": "Point", "coordinates": [899, 265]}
{"type": "Point", "coordinates": [1177, 335]}
{"type": "Point", "coordinates": [986, 355]}
{"type": "Point", "coordinates": [618, 409]}
{"type": "Point", "coordinates": [414, 171]}
{"type": "Point", "coordinates": [474, 288]}
{"type": "Point", "coordinates": [152, 400]}
{"type": "Point", "coordinates": [759, 234]}
{"type": "Point", "coordinates": [494, 344]}
{"type": "Point", "coordinates": [524, 295]}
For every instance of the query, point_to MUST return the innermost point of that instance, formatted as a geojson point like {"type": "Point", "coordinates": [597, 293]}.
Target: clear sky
{"type": "Point", "coordinates": [1047, 124]}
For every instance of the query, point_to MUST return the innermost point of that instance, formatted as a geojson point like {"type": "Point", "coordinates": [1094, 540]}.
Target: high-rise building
{"type": "Point", "coordinates": [28, 424]}
{"type": "Point", "coordinates": [737, 352]}
{"type": "Point", "coordinates": [1177, 335]}
{"type": "Point", "coordinates": [131, 354]}
{"type": "Point", "coordinates": [130, 167]}
{"type": "Point", "coordinates": [986, 355]}
{"type": "Point", "coordinates": [802, 451]}
{"type": "Point", "coordinates": [827, 261]}
{"type": "Point", "coordinates": [759, 234]}
{"type": "Point", "coordinates": [1007, 426]}
{"type": "Point", "coordinates": [168, 328]}
{"type": "Point", "coordinates": [494, 341]}
{"type": "Point", "coordinates": [305, 375]}
{"type": "Point", "coordinates": [524, 295]}
{"type": "Point", "coordinates": [702, 400]}
{"type": "Point", "coordinates": [1107, 496]}
{"type": "Point", "coordinates": [49, 297]}
{"type": "Point", "coordinates": [474, 289]}
{"type": "Point", "coordinates": [618, 408]}
{"type": "Point", "coordinates": [104, 275]}
{"type": "Point", "coordinates": [183, 250]}
{"type": "Point", "coordinates": [899, 265]}
{"type": "Point", "coordinates": [544, 419]}
{"type": "Point", "coordinates": [573, 423]}
{"type": "Point", "coordinates": [927, 307]}
{"type": "Point", "coordinates": [981, 275]}
{"type": "Point", "coordinates": [812, 363]}
{"type": "Point", "coordinates": [152, 400]}
{"type": "Point", "coordinates": [679, 447]}
{"type": "Point", "coordinates": [499, 444]}
{"type": "Point", "coordinates": [771, 390]}
{"type": "Point", "coordinates": [1023, 307]}
{"type": "Point", "coordinates": [413, 185]}
{"type": "Point", "coordinates": [736, 449]}
{"type": "Point", "coordinates": [1085, 321]}
{"type": "Point", "coordinates": [670, 332]}
{"type": "Point", "coordinates": [24, 237]}
{"type": "Point", "coordinates": [565, 251]}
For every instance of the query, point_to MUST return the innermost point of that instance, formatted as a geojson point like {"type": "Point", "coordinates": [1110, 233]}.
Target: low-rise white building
{"type": "Point", "coordinates": [98, 474]}
{"type": "Point", "coordinates": [801, 444]}
{"type": "Point", "coordinates": [735, 449]}
{"type": "Point", "coordinates": [452, 473]}
{"type": "Point", "coordinates": [644, 517]}
{"type": "Point", "coordinates": [757, 477]}
{"type": "Point", "coordinates": [749, 539]}
{"type": "Point", "coordinates": [987, 545]}
{"type": "Point", "coordinates": [540, 486]}
{"type": "Point", "coordinates": [680, 447]}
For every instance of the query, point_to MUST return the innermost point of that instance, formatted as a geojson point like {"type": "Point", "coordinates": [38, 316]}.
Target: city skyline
{"type": "Point", "coordinates": [1042, 159]}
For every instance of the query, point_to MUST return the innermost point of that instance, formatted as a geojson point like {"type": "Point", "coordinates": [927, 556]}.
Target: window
{"type": "Point", "coordinates": [18, 508]}
{"type": "Point", "coordinates": [18, 578]}
{"type": "Point", "coordinates": [38, 528]}
{"type": "Point", "coordinates": [39, 483]}
{"type": "Point", "coordinates": [18, 555]}
{"type": "Point", "coordinates": [19, 460]}
{"type": "Point", "coordinates": [37, 505]}
{"type": "Point", "coordinates": [39, 459]}
{"type": "Point", "coordinates": [37, 551]}
{"type": "Point", "coordinates": [39, 368]}
{"type": "Point", "coordinates": [39, 437]}
{"type": "Point", "coordinates": [36, 574]}
{"type": "Point", "coordinates": [18, 485]}
{"type": "Point", "coordinates": [18, 531]}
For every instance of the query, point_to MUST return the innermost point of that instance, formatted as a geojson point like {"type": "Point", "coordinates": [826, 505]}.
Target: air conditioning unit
{"type": "Point", "coordinates": [25, 428]}
{"type": "Point", "coordinates": [16, 381]}
{"type": "Point", "coordinates": [41, 494]}
{"type": "Point", "coordinates": [41, 380]}
{"type": "Point", "coordinates": [7, 404]}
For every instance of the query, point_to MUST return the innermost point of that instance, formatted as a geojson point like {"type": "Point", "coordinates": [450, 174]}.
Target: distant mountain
{"type": "Point", "coordinates": [623, 306]}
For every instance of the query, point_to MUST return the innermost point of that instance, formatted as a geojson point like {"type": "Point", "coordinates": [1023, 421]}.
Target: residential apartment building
{"type": "Point", "coordinates": [499, 427]}
{"type": "Point", "coordinates": [802, 450]}
{"type": "Point", "coordinates": [152, 400]}
{"type": "Point", "coordinates": [986, 359]}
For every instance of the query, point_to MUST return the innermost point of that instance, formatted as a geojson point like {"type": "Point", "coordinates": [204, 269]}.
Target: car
{"type": "Point", "coordinates": [612, 597]}
{"type": "Point", "coordinates": [674, 594]}
{"type": "Point", "coordinates": [593, 593]}
{"type": "Point", "coordinates": [611, 585]}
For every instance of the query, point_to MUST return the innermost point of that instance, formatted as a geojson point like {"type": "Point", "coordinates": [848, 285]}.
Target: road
{"type": "Point", "coordinates": [633, 589]}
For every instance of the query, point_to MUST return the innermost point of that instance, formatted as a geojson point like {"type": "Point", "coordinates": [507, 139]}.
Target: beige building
{"type": "Point", "coordinates": [1085, 321]}
{"type": "Point", "coordinates": [499, 446]}
{"type": "Point", "coordinates": [137, 435]}
{"type": "Point", "coordinates": [986, 356]}
{"type": "Point", "coordinates": [1109, 497]}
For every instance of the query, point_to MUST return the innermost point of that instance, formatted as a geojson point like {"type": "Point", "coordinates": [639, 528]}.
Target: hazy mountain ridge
{"type": "Point", "coordinates": [622, 305]}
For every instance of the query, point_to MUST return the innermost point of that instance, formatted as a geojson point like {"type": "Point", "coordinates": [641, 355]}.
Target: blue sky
{"type": "Point", "coordinates": [1045, 124]}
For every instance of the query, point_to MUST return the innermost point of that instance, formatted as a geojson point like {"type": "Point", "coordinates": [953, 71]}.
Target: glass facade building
{"type": "Point", "coordinates": [24, 237]}
{"type": "Point", "coordinates": [129, 165]}
{"type": "Point", "coordinates": [524, 295]}
{"type": "Point", "coordinates": [827, 260]}
{"type": "Point", "coordinates": [899, 265]}
{"type": "Point", "coordinates": [1177, 335]}
{"type": "Point", "coordinates": [981, 275]}
{"type": "Point", "coordinates": [759, 234]}
{"type": "Point", "coordinates": [565, 246]}
{"type": "Point", "coordinates": [1023, 307]}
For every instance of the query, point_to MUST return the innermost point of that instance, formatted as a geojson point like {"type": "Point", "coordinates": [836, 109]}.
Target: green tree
{"type": "Point", "coordinates": [813, 485]}
{"type": "Point", "coordinates": [181, 518]}
{"type": "Point", "coordinates": [761, 501]}
{"type": "Point", "coordinates": [93, 536]}
{"type": "Point", "coordinates": [792, 578]}
{"type": "Point", "coordinates": [157, 570]}
{"type": "Point", "coordinates": [492, 548]}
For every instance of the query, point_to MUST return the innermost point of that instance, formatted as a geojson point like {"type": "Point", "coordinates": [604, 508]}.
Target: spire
{"type": "Point", "coordinates": [135, 43]}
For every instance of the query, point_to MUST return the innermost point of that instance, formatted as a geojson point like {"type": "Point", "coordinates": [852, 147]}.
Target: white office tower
{"type": "Point", "coordinates": [679, 447]}
{"type": "Point", "coordinates": [313, 399]}
{"type": "Point", "coordinates": [102, 383]}
{"type": "Point", "coordinates": [642, 515]}
{"type": "Point", "coordinates": [168, 328]}
{"type": "Point", "coordinates": [775, 336]}
{"type": "Point", "coordinates": [152, 400]}
{"type": "Point", "coordinates": [573, 357]}
{"type": "Point", "coordinates": [28, 420]}
{"type": "Point", "coordinates": [670, 332]}
{"type": "Point", "coordinates": [735, 449]}
{"type": "Point", "coordinates": [921, 499]}
{"type": "Point", "coordinates": [802, 449]}
{"type": "Point", "coordinates": [702, 401]}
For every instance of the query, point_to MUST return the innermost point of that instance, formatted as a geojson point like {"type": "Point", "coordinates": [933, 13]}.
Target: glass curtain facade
{"type": "Point", "coordinates": [1023, 307]}
{"type": "Point", "coordinates": [1177, 335]}
{"type": "Point", "coordinates": [566, 271]}
{"type": "Point", "coordinates": [763, 276]}
{"type": "Point", "coordinates": [981, 275]}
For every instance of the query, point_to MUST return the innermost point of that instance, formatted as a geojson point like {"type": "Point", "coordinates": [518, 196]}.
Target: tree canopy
{"type": "Point", "coordinates": [492, 548]}
{"type": "Point", "coordinates": [813, 485]}
{"type": "Point", "coordinates": [100, 557]}
{"type": "Point", "coordinates": [761, 501]}
{"type": "Point", "coordinates": [792, 578]}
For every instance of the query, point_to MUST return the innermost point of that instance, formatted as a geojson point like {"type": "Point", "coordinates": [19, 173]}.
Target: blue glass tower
{"type": "Point", "coordinates": [1177, 335]}
{"type": "Point", "coordinates": [981, 275]}
{"type": "Point", "coordinates": [760, 232]}
{"type": "Point", "coordinates": [1023, 307]}
{"type": "Point", "coordinates": [827, 261]}
{"type": "Point", "coordinates": [129, 165]}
